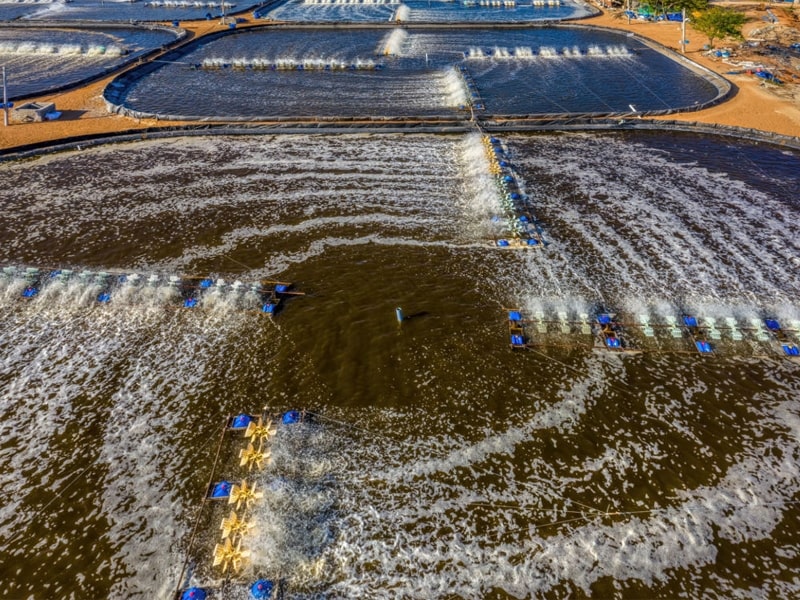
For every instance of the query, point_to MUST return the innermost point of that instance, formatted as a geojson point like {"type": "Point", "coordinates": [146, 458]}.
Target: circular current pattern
{"type": "Point", "coordinates": [440, 463]}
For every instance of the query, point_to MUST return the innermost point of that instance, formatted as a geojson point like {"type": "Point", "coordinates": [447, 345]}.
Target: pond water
{"type": "Point", "coordinates": [259, 74]}
{"type": "Point", "coordinates": [440, 463]}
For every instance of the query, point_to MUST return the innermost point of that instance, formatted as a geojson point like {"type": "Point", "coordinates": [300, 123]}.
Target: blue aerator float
{"type": "Point", "coordinates": [291, 417]}
{"type": "Point", "coordinates": [273, 296]}
{"type": "Point", "coordinates": [241, 421]}
{"type": "Point", "coordinates": [703, 347]}
{"type": "Point", "coordinates": [262, 589]}
{"type": "Point", "coordinates": [697, 334]}
{"type": "Point", "coordinates": [194, 593]}
{"type": "Point", "coordinates": [220, 490]}
{"type": "Point", "coordinates": [609, 332]}
{"type": "Point", "coordinates": [789, 348]}
{"type": "Point", "coordinates": [516, 329]}
{"type": "Point", "coordinates": [265, 296]}
{"type": "Point", "coordinates": [516, 204]}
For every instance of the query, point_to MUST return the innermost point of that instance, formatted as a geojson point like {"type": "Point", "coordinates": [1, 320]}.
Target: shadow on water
{"type": "Point", "coordinates": [416, 315]}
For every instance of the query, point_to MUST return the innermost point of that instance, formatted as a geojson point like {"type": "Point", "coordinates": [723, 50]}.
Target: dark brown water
{"type": "Point", "coordinates": [442, 464]}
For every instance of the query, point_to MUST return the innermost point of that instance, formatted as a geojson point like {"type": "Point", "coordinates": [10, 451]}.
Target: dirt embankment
{"type": "Point", "coordinates": [768, 35]}
{"type": "Point", "coordinates": [756, 102]}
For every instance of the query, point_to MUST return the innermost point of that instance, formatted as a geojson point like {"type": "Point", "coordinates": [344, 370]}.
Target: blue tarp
{"type": "Point", "coordinates": [767, 75]}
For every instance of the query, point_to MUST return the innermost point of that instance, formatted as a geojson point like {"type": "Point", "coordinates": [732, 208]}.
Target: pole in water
{"type": "Point", "coordinates": [5, 99]}
{"type": "Point", "coordinates": [399, 312]}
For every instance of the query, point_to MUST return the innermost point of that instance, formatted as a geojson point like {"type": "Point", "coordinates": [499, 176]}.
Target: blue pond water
{"type": "Point", "coordinates": [421, 11]}
{"type": "Point", "coordinates": [516, 72]}
{"type": "Point", "coordinates": [120, 10]}
{"type": "Point", "coordinates": [39, 59]}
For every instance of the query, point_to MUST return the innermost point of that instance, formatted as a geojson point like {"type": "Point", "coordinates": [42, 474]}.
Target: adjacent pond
{"type": "Point", "coordinates": [259, 74]}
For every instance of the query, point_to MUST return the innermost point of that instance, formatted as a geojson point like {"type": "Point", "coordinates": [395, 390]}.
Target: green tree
{"type": "Point", "coordinates": [662, 7]}
{"type": "Point", "coordinates": [718, 22]}
{"type": "Point", "coordinates": [689, 5]}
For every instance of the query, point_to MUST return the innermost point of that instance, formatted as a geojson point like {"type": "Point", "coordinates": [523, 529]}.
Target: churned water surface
{"type": "Point", "coordinates": [402, 72]}
{"type": "Point", "coordinates": [425, 11]}
{"type": "Point", "coordinates": [40, 59]}
{"type": "Point", "coordinates": [441, 463]}
{"type": "Point", "coordinates": [120, 10]}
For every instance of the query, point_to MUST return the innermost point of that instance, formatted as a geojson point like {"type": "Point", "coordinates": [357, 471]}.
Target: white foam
{"type": "Point", "coordinates": [392, 44]}
{"type": "Point", "coordinates": [402, 14]}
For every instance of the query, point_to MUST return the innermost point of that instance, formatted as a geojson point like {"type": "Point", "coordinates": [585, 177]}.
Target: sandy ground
{"type": "Point", "coordinates": [754, 104]}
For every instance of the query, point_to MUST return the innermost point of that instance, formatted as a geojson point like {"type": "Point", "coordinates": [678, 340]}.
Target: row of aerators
{"type": "Point", "coordinates": [703, 332]}
{"type": "Point", "coordinates": [517, 207]}
{"type": "Point", "coordinates": [265, 296]}
{"type": "Point", "coordinates": [231, 555]}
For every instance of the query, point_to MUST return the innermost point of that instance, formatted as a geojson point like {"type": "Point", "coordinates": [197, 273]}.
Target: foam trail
{"type": "Point", "coordinates": [392, 44]}
{"type": "Point", "coordinates": [45, 48]}
{"type": "Point", "coordinates": [745, 505]}
{"type": "Point", "coordinates": [664, 252]}
{"type": "Point", "coordinates": [402, 14]}
{"type": "Point", "coordinates": [141, 449]}
{"type": "Point", "coordinates": [454, 88]}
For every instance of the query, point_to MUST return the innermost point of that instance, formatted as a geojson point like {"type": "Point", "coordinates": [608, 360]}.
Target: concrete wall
{"type": "Point", "coordinates": [32, 112]}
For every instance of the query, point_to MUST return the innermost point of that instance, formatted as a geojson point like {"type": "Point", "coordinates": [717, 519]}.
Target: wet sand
{"type": "Point", "coordinates": [752, 104]}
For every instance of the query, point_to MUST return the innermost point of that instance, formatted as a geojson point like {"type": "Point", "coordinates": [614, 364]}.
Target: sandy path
{"type": "Point", "coordinates": [752, 106]}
